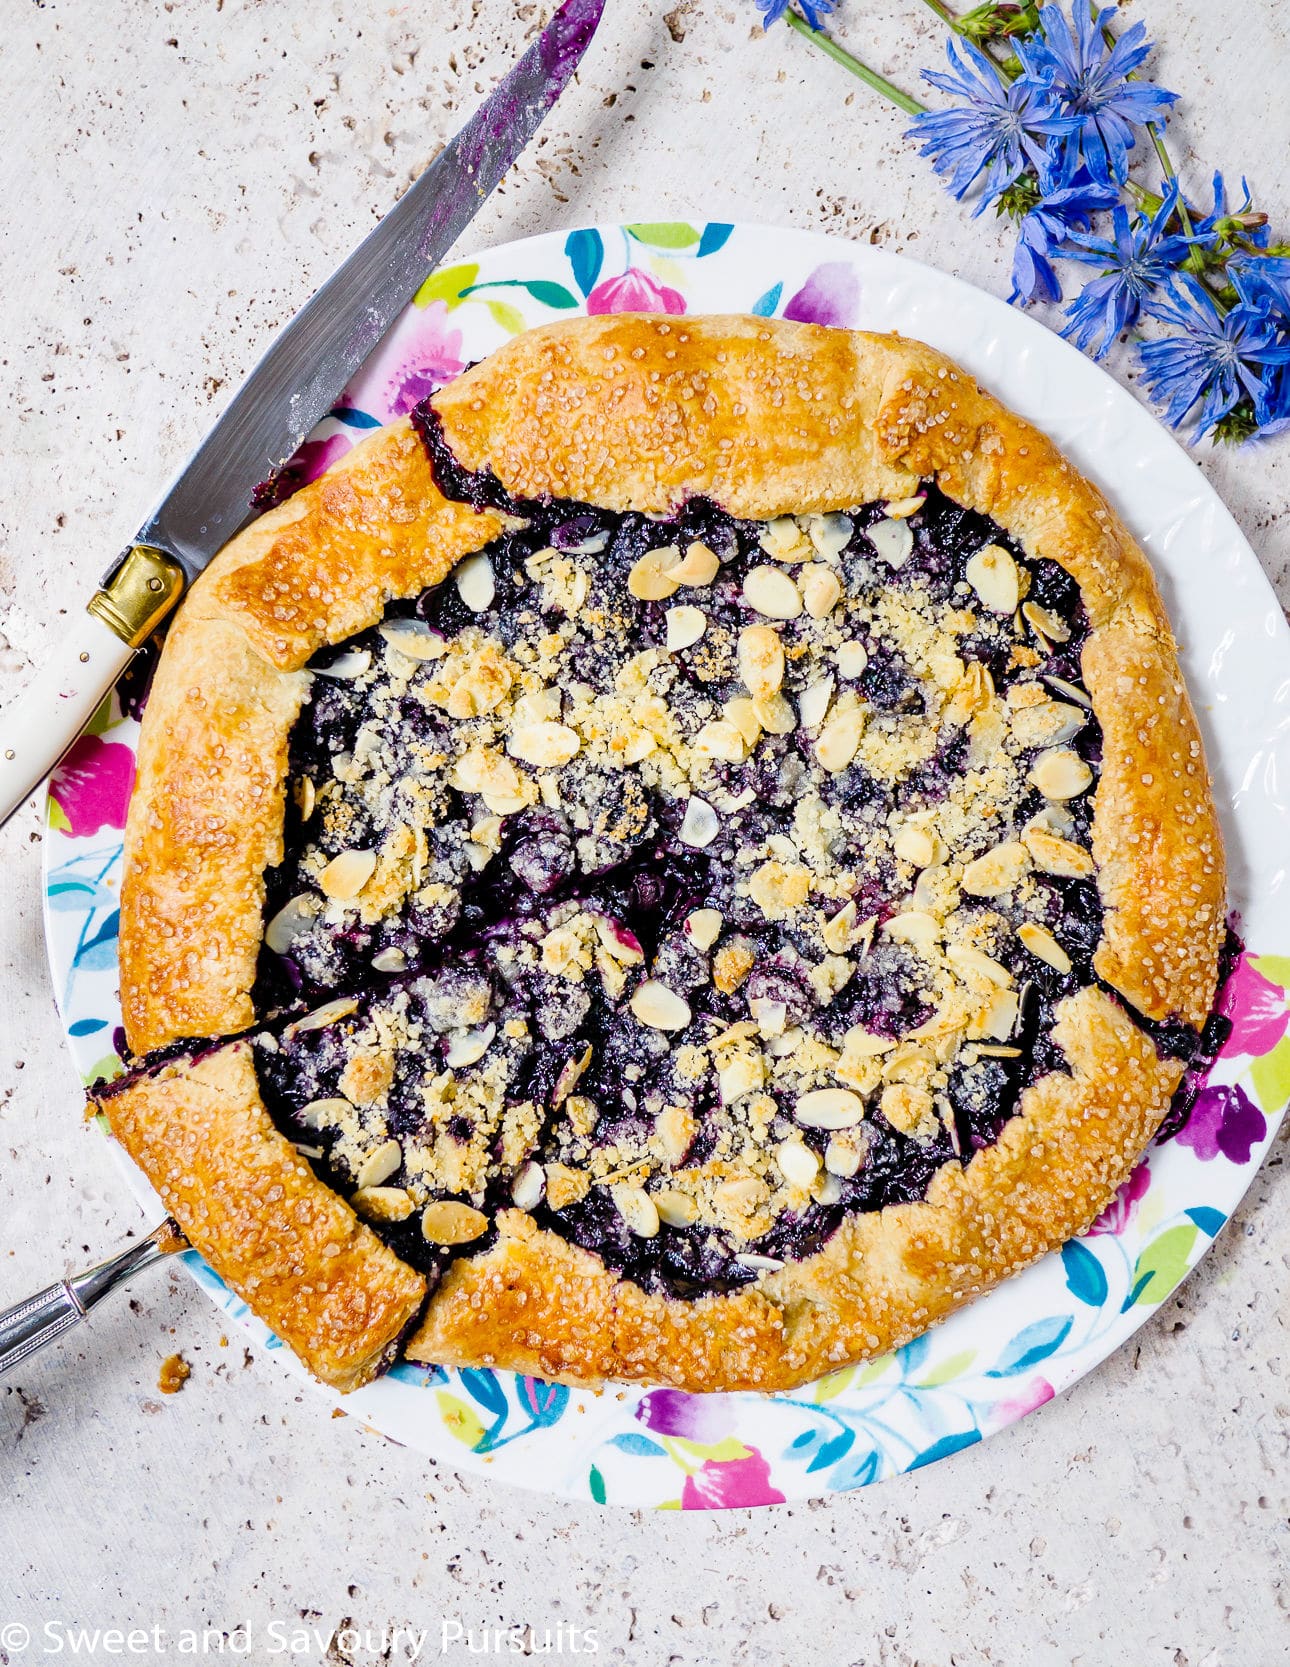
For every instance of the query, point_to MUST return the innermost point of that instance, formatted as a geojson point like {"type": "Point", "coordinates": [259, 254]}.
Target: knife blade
{"type": "Point", "coordinates": [294, 385]}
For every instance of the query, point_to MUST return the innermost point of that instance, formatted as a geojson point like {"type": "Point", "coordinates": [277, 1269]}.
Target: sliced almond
{"type": "Point", "coordinates": [852, 658]}
{"type": "Point", "coordinates": [784, 540]}
{"type": "Point", "coordinates": [998, 870]}
{"type": "Point", "coordinates": [813, 702]}
{"type": "Point", "coordinates": [677, 1209]}
{"type": "Point", "coordinates": [391, 959]}
{"type": "Point", "coordinates": [829, 1108]}
{"type": "Point", "coordinates": [700, 825]}
{"type": "Point", "coordinates": [447, 1222]}
{"type": "Point", "coordinates": [998, 1019]}
{"type": "Point", "coordinates": [346, 667]}
{"type": "Point", "coordinates": [771, 1016]}
{"type": "Point", "coordinates": [1045, 624]}
{"type": "Point", "coordinates": [637, 1209]}
{"type": "Point", "coordinates": [798, 1164]}
{"type": "Point", "coordinates": [1070, 691]}
{"type": "Point", "coordinates": [469, 1046]}
{"type": "Point", "coordinates": [660, 1008]}
{"type": "Point", "coordinates": [528, 1186]}
{"type": "Point", "coordinates": [291, 920]}
{"type": "Point", "coordinates": [346, 875]}
{"type": "Point", "coordinates": [326, 1114]}
{"type": "Point", "coordinates": [996, 578]}
{"type": "Point", "coordinates": [380, 1164]}
{"type": "Point", "coordinates": [742, 713]}
{"type": "Point", "coordinates": [893, 540]}
{"type": "Point", "coordinates": [761, 660]}
{"type": "Point", "coordinates": [840, 740]}
{"type": "Point", "coordinates": [1041, 943]}
{"type": "Point", "coordinates": [698, 566]}
{"type": "Point", "coordinates": [703, 928]}
{"type": "Point", "coordinates": [651, 578]}
{"type": "Point", "coordinates": [544, 744]}
{"type": "Point", "coordinates": [821, 590]}
{"type": "Point", "coordinates": [839, 932]}
{"type": "Point", "coordinates": [977, 965]}
{"type": "Point", "coordinates": [775, 715]}
{"type": "Point", "coordinates": [330, 1013]}
{"type": "Point", "coordinates": [475, 583]}
{"type": "Point", "coordinates": [685, 626]}
{"type": "Point", "coordinates": [899, 508]}
{"type": "Point", "coordinates": [383, 1203]}
{"type": "Point", "coordinates": [913, 926]}
{"type": "Point", "coordinates": [1047, 724]}
{"type": "Point", "coordinates": [1060, 774]}
{"type": "Point", "coordinates": [830, 534]}
{"type": "Point", "coordinates": [770, 591]}
{"type": "Point", "coordinates": [414, 639]}
{"type": "Point", "coordinates": [843, 1157]}
{"type": "Point", "coordinates": [918, 845]}
{"type": "Point", "coordinates": [759, 1263]}
{"type": "Point", "coordinates": [1057, 856]}
{"type": "Point", "coordinates": [719, 738]}
{"type": "Point", "coordinates": [570, 1073]}
{"type": "Point", "coordinates": [305, 795]}
{"type": "Point", "coordinates": [744, 1074]}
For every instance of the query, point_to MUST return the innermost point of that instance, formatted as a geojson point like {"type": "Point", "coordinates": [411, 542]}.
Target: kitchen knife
{"type": "Point", "coordinates": [293, 387]}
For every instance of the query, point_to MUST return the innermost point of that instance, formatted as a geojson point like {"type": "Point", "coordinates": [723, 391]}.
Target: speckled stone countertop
{"type": "Point", "coordinates": [175, 179]}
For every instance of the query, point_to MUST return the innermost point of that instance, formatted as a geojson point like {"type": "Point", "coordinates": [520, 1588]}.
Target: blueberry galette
{"type": "Point", "coordinates": [684, 861]}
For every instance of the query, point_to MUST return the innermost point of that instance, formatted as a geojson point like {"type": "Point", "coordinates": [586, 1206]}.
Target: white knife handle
{"type": "Point", "coordinates": [39, 728]}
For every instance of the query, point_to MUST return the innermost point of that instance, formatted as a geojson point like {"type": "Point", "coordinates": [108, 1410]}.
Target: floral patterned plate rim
{"type": "Point", "coordinates": [1014, 1349]}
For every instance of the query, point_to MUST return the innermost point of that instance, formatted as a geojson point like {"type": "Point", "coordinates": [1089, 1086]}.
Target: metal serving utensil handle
{"type": "Point", "coordinates": [29, 1325]}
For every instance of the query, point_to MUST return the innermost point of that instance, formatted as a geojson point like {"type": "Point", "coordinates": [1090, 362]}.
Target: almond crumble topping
{"type": "Point", "coordinates": [707, 880]}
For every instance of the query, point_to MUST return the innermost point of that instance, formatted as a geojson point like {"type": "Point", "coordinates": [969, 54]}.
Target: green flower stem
{"type": "Point", "coordinates": [840, 55]}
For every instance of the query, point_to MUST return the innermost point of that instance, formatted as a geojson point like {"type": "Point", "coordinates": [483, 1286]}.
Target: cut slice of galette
{"type": "Point", "coordinates": [703, 845]}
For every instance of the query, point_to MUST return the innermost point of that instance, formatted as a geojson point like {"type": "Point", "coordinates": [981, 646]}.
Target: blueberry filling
{"type": "Point", "coordinates": [706, 881]}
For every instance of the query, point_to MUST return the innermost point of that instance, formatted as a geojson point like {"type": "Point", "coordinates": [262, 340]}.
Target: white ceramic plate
{"type": "Point", "coordinates": [1013, 1349]}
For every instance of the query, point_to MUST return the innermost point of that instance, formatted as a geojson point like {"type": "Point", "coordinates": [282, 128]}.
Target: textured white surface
{"type": "Point", "coordinates": [174, 181]}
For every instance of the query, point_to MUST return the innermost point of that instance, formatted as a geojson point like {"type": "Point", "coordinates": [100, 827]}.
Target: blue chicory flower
{"type": "Point", "coordinates": [1063, 209]}
{"type": "Point", "coordinates": [999, 128]}
{"type": "Point", "coordinates": [1217, 359]}
{"type": "Point", "coordinates": [1136, 260]}
{"type": "Point", "coordinates": [1209, 230]}
{"type": "Point", "coordinates": [814, 11]}
{"type": "Point", "coordinates": [1099, 105]}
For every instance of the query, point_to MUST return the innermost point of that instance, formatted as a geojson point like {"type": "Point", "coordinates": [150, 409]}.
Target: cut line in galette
{"type": "Point", "coordinates": [703, 845]}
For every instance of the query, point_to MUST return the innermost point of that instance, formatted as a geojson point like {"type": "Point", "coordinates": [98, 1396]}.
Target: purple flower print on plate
{"type": "Point", "coordinates": [1223, 1121]}
{"type": "Point", "coordinates": [831, 295]}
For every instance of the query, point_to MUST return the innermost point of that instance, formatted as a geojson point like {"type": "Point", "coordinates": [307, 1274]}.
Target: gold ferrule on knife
{"type": "Point", "coordinates": [139, 595]}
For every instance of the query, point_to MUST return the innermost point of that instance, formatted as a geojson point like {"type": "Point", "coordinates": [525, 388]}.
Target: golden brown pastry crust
{"type": "Point", "coordinates": [289, 1247]}
{"type": "Point", "coordinates": [764, 418]}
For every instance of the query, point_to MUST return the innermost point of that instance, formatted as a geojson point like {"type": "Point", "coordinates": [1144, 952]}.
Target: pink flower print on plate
{"type": "Point", "coordinates": [1257, 1009]}
{"type": "Point", "coordinates": [1119, 1212]}
{"type": "Point", "coordinates": [728, 1484]}
{"type": "Point", "coordinates": [92, 785]}
{"type": "Point", "coordinates": [634, 291]}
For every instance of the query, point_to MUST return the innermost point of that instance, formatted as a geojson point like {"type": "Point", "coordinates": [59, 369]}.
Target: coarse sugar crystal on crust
{"type": "Point", "coordinates": [708, 835]}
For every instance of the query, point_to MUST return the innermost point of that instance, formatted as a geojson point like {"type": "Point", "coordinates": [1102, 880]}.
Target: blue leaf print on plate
{"type": "Point", "coordinates": [1085, 1275]}
{"type": "Point", "coordinates": [586, 254]}
{"type": "Point", "coordinates": [1032, 1344]}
